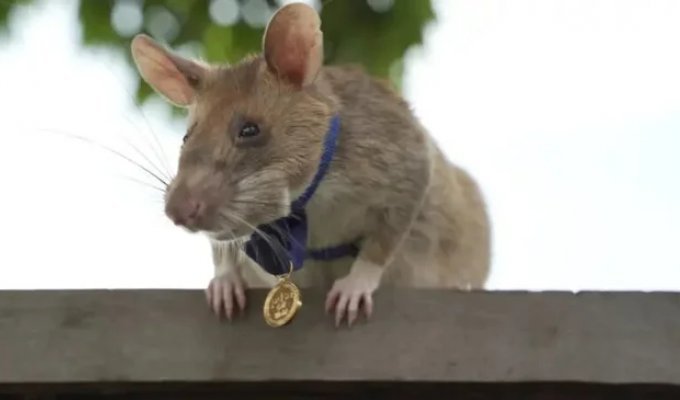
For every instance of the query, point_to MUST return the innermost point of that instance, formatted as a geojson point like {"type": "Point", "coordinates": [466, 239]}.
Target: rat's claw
{"type": "Point", "coordinates": [346, 298]}
{"type": "Point", "coordinates": [368, 304]}
{"type": "Point", "coordinates": [353, 308]}
{"type": "Point", "coordinates": [227, 299]}
{"type": "Point", "coordinates": [340, 308]}
{"type": "Point", "coordinates": [221, 292]}
{"type": "Point", "coordinates": [240, 297]}
{"type": "Point", "coordinates": [331, 300]}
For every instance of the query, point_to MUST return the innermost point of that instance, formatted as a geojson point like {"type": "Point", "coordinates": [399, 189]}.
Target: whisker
{"type": "Point", "coordinates": [146, 184]}
{"type": "Point", "coordinates": [162, 157]}
{"type": "Point", "coordinates": [257, 253]}
{"type": "Point", "coordinates": [264, 203]}
{"type": "Point", "coordinates": [287, 235]}
{"type": "Point", "coordinates": [158, 170]}
{"type": "Point", "coordinates": [116, 152]}
{"type": "Point", "coordinates": [267, 238]}
{"type": "Point", "coordinates": [238, 245]}
{"type": "Point", "coordinates": [260, 203]}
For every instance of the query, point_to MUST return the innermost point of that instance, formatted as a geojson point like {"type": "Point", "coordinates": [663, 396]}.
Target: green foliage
{"type": "Point", "coordinates": [353, 31]}
{"type": "Point", "coordinates": [356, 33]}
{"type": "Point", "coordinates": [6, 7]}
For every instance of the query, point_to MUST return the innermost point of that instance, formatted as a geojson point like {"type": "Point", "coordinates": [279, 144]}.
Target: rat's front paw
{"type": "Point", "coordinates": [224, 291]}
{"type": "Point", "coordinates": [347, 296]}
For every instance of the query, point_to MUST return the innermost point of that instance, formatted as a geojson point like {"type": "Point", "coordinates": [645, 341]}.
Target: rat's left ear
{"type": "Point", "coordinates": [170, 75]}
{"type": "Point", "coordinates": [293, 44]}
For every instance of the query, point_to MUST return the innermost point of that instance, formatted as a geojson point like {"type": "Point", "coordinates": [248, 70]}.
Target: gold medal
{"type": "Point", "coordinates": [282, 302]}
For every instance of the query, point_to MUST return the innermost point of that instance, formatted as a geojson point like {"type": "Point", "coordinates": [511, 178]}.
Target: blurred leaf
{"type": "Point", "coordinates": [96, 17]}
{"type": "Point", "coordinates": [218, 42]}
{"type": "Point", "coordinates": [353, 32]}
{"type": "Point", "coordinates": [6, 7]}
{"type": "Point", "coordinates": [247, 41]}
{"type": "Point", "coordinates": [357, 34]}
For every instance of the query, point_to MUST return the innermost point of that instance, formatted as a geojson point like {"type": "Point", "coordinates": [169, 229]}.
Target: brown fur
{"type": "Point", "coordinates": [421, 218]}
{"type": "Point", "coordinates": [390, 182]}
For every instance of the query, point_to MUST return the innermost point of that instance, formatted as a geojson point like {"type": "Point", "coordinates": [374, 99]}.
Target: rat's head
{"type": "Point", "coordinates": [255, 129]}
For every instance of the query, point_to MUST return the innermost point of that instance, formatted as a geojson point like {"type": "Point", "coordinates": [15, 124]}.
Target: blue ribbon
{"type": "Point", "coordinates": [286, 238]}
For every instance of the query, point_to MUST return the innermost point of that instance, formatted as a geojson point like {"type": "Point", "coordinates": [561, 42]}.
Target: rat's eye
{"type": "Point", "coordinates": [249, 130]}
{"type": "Point", "coordinates": [185, 138]}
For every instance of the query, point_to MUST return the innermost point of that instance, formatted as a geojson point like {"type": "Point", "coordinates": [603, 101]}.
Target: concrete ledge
{"type": "Point", "coordinates": [67, 340]}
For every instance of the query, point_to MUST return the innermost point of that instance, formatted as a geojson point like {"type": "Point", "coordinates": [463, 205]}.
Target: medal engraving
{"type": "Point", "coordinates": [282, 302]}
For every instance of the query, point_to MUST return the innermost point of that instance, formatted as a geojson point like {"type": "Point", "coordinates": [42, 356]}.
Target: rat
{"type": "Point", "coordinates": [280, 141]}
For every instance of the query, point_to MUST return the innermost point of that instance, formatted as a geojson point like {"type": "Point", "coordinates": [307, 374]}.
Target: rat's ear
{"type": "Point", "coordinates": [170, 75]}
{"type": "Point", "coordinates": [293, 44]}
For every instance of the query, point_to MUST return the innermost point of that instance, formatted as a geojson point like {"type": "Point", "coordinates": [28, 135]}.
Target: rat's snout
{"type": "Point", "coordinates": [185, 210]}
{"type": "Point", "coordinates": [194, 198]}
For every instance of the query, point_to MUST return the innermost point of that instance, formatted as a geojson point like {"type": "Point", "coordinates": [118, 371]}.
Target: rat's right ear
{"type": "Point", "coordinates": [293, 44]}
{"type": "Point", "coordinates": [168, 74]}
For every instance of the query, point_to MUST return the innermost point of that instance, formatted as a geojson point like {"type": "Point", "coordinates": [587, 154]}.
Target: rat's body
{"type": "Point", "coordinates": [254, 144]}
{"type": "Point", "coordinates": [386, 161]}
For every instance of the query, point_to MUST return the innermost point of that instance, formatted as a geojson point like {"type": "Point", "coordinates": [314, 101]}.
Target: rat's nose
{"type": "Point", "coordinates": [186, 211]}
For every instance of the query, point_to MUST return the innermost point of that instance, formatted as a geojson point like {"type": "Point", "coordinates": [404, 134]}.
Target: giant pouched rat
{"type": "Point", "coordinates": [280, 126]}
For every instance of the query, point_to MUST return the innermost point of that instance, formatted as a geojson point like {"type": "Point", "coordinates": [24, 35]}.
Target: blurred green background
{"type": "Point", "coordinates": [374, 33]}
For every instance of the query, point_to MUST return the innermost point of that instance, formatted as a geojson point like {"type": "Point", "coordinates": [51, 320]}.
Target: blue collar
{"type": "Point", "coordinates": [286, 238]}
{"type": "Point", "coordinates": [329, 146]}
